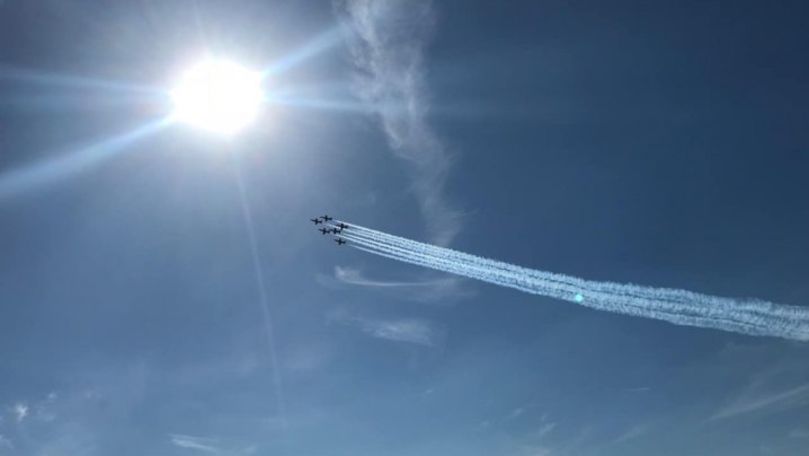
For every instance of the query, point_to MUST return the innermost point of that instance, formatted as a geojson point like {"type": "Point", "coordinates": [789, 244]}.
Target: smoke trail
{"type": "Point", "coordinates": [597, 300]}
{"type": "Point", "coordinates": [551, 290]}
{"type": "Point", "coordinates": [678, 297]}
{"type": "Point", "coordinates": [681, 298]}
{"type": "Point", "coordinates": [747, 316]}
{"type": "Point", "coordinates": [750, 318]}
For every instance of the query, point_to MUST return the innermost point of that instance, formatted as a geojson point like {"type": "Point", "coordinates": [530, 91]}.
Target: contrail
{"type": "Point", "coordinates": [754, 320]}
{"type": "Point", "coordinates": [681, 297]}
{"type": "Point", "coordinates": [552, 290]}
{"type": "Point", "coordinates": [682, 307]}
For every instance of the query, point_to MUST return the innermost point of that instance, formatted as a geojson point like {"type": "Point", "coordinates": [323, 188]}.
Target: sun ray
{"type": "Point", "coordinates": [325, 104]}
{"type": "Point", "coordinates": [36, 175]}
{"type": "Point", "coordinates": [319, 44]}
{"type": "Point", "coordinates": [30, 76]}
{"type": "Point", "coordinates": [263, 294]}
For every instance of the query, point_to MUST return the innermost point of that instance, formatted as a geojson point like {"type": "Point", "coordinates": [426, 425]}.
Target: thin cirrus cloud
{"type": "Point", "coordinates": [190, 442]}
{"type": "Point", "coordinates": [356, 277]}
{"type": "Point", "coordinates": [768, 402]}
{"type": "Point", "coordinates": [409, 330]}
{"type": "Point", "coordinates": [426, 290]}
{"type": "Point", "coordinates": [211, 445]}
{"type": "Point", "coordinates": [799, 434]}
{"type": "Point", "coordinates": [387, 41]}
{"type": "Point", "coordinates": [632, 433]}
{"type": "Point", "coordinates": [546, 429]}
{"type": "Point", "coordinates": [405, 330]}
{"type": "Point", "coordinates": [20, 411]}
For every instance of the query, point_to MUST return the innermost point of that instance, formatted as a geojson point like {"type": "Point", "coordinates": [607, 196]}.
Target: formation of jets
{"type": "Point", "coordinates": [330, 230]}
{"type": "Point", "coordinates": [322, 219]}
{"type": "Point", "coordinates": [336, 229]}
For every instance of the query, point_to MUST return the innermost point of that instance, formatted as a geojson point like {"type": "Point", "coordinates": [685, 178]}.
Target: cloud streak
{"type": "Point", "coordinates": [409, 330]}
{"type": "Point", "coordinates": [387, 40]}
{"type": "Point", "coordinates": [406, 330]}
{"type": "Point", "coordinates": [799, 434]}
{"type": "Point", "coordinates": [632, 433]}
{"type": "Point", "coordinates": [20, 411]}
{"type": "Point", "coordinates": [354, 276]}
{"type": "Point", "coordinates": [194, 443]}
{"type": "Point", "coordinates": [425, 290]}
{"type": "Point", "coordinates": [773, 401]}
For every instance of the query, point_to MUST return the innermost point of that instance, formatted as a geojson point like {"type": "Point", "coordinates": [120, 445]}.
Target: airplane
{"type": "Point", "coordinates": [340, 241]}
{"type": "Point", "coordinates": [316, 221]}
{"type": "Point", "coordinates": [336, 230]}
{"type": "Point", "coordinates": [326, 218]}
{"type": "Point", "coordinates": [342, 226]}
{"type": "Point", "coordinates": [324, 230]}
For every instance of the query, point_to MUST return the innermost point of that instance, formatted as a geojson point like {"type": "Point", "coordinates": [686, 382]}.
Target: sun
{"type": "Point", "coordinates": [217, 95]}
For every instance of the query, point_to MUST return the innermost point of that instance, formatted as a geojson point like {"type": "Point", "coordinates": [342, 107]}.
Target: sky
{"type": "Point", "coordinates": [656, 143]}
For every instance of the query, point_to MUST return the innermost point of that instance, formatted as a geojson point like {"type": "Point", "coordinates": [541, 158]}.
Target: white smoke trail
{"type": "Point", "coordinates": [748, 316]}
{"type": "Point", "coordinates": [678, 297]}
{"type": "Point", "coordinates": [595, 300]}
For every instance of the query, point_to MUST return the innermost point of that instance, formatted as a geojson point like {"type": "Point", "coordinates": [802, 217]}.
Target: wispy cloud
{"type": "Point", "coordinates": [95, 414]}
{"type": "Point", "coordinates": [406, 330]}
{"type": "Point", "coordinates": [536, 450]}
{"type": "Point", "coordinates": [799, 434]}
{"type": "Point", "coordinates": [770, 401]}
{"type": "Point", "coordinates": [516, 413]}
{"type": "Point", "coordinates": [632, 433]}
{"type": "Point", "coordinates": [639, 389]}
{"type": "Point", "coordinates": [545, 429]}
{"type": "Point", "coordinates": [190, 442]}
{"type": "Point", "coordinates": [387, 41]}
{"type": "Point", "coordinates": [20, 411]}
{"type": "Point", "coordinates": [356, 277]}
{"type": "Point", "coordinates": [537, 443]}
{"type": "Point", "coordinates": [439, 289]}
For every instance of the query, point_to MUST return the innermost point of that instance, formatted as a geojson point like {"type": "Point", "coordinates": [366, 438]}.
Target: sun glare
{"type": "Point", "coordinates": [217, 95]}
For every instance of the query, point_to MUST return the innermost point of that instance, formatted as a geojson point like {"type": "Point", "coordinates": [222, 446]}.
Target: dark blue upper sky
{"type": "Point", "coordinates": [658, 143]}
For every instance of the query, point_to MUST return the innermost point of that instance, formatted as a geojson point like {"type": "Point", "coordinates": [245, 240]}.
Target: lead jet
{"type": "Point", "coordinates": [340, 241]}
{"type": "Point", "coordinates": [326, 218]}
{"type": "Point", "coordinates": [324, 231]}
{"type": "Point", "coordinates": [316, 221]}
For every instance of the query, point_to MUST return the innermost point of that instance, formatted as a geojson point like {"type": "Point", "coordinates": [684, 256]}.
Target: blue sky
{"type": "Point", "coordinates": [656, 143]}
